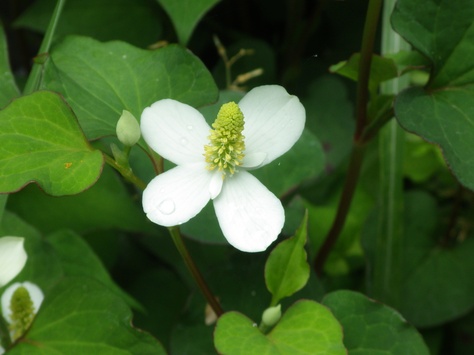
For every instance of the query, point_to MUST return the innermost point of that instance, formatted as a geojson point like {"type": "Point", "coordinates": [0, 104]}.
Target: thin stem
{"type": "Point", "coordinates": [127, 173]}
{"type": "Point", "coordinates": [367, 48]}
{"type": "Point", "coordinates": [179, 242]}
{"type": "Point", "coordinates": [355, 164]}
{"type": "Point", "coordinates": [343, 208]}
{"type": "Point", "coordinates": [374, 127]}
{"type": "Point", "coordinates": [34, 78]}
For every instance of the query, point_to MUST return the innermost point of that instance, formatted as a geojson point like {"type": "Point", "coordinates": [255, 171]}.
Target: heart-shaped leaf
{"type": "Point", "coordinates": [185, 14]}
{"type": "Point", "coordinates": [133, 21]}
{"type": "Point", "coordinates": [371, 328]}
{"type": "Point", "coordinates": [306, 328]}
{"type": "Point", "coordinates": [99, 80]}
{"type": "Point", "coordinates": [442, 112]}
{"type": "Point", "coordinates": [42, 142]}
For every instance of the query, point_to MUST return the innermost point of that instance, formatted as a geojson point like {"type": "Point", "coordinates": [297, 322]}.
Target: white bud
{"type": "Point", "coordinates": [128, 129]}
{"type": "Point", "coordinates": [271, 315]}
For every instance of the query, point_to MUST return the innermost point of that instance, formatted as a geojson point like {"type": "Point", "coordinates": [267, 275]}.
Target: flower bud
{"type": "Point", "coordinates": [271, 315]}
{"type": "Point", "coordinates": [128, 129]}
{"type": "Point", "coordinates": [12, 258]}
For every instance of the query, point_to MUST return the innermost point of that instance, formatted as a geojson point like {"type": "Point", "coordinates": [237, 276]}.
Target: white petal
{"type": "Point", "coordinates": [12, 258]}
{"type": "Point", "coordinates": [254, 160]}
{"type": "Point", "coordinates": [215, 187]}
{"type": "Point", "coordinates": [250, 216]}
{"type": "Point", "coordinates": [176, 131]}
{"type": "Point", "coordinates": [35, 292]}
{"type": "Point", "coordinates": [177, 195]}
{"type": "Point", "coordinates": [274, 121]}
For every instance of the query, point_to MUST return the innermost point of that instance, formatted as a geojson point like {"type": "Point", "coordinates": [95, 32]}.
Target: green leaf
{"type": "Point", "coordinates": [77, 260]}
{"type": "Point", "coordinates": [329, 116]}
{"type": "Point", "coordinates": [437, 281]}
{"type": "Point", "coordinates": [42, 142]}
{"type": "Point", "coordinates": [442, 112]}
{"type": "Point", "coordinates": [134, 21]}
{"type": "Point", "coordinates": [346, 252]}
{"type": "Point", "coordinates": [287, 269]}
{"type": "Point", "coordinates": [8, 88]}
{"type": "Point", "coordinates": [99, 80]}
{"type": "Point", "coordinates": [61, 254]}
{"type": "Point", "coordinates": [162, 308]}
{"type": "Point", "coordinates": [371, 328]}
{"type": "Point", "coordinates": [382, 69]}
{"type": "Point", "coordinates": [81, 316]}
{"type": "Point", "coordinates": [185, 14]}
{"type": "Point", "coordinates": [305, 328]}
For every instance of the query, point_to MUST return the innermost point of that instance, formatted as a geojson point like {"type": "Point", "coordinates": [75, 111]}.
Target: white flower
{"type": "Point", "coordinates": [12, 258]}
{"type": "Point", "coordinates": [213, 164]}
{"type": "Point", "coordinates": [27, 304]}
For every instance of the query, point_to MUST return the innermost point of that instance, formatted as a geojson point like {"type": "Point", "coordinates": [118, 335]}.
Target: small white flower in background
{"type": "Point", "coordinates": [213, 164]}
{"type": "Point", "coordinates": [12, 258]}
{"type": "Point", "coordinates": [20, 303]}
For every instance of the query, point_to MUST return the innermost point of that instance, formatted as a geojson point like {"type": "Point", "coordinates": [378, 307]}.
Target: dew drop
{"type": "Point", "coordinates": [190, 128]}
{"type": "Point", "coordinates": [184, 141]}
{"type": "Point", "coordinates": [166, 206]}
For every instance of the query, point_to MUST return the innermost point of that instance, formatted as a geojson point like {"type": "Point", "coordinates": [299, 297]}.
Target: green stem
{"type": "Point", "coordinates": [342, 210]}
{"type": "Point", "coordinates": [370, 29]}
{"type": "Point", "coordinates": [34, 78]}
{"type": "Point", "coordinates": [126, 172]}
{"type": "Point", "coordinates": [179, 243]}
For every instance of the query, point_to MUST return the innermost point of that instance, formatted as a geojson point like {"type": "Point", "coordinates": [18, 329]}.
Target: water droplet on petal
{"type": "Point", "coordinates": [190, 128]}
{"type": "Point", "coordinates": [184, 141]}
{"type": "Point", "coordinates": [166, 206]}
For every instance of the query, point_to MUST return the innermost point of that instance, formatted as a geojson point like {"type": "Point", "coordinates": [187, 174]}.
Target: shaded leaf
{"type": "Point", "coordinates": [371, 328]}
{"type": "Point", "coordinates": [185, 14]}
{"type": "Point", "coordinates": [107, 204]}
{"type": "Point", "coordinates": [132, 21]}
{"type": "Point", "coordinates": [437, 281]}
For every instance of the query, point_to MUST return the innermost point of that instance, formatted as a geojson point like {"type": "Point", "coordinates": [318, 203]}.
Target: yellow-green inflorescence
{"type": "Point", "coordinates": [23, 312]}
{"type": "Point", "coordinates": [226, 149]}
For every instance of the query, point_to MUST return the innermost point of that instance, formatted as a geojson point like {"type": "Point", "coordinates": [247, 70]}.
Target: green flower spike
{"type": "Point", "coordinates": [226, 149]}
{"type": "Point", "coordinates": [23, 312]}
{"type": "Point", "coordinates": [20, 304]}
